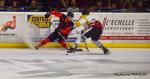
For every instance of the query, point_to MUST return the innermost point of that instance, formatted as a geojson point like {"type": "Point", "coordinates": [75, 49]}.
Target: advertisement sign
{"type": "Point", "coordinates": [120, 27]}
{"type": "Point", "coordinates": [126, 28]}
{"type": "Point", "coordinates": [10, 27]}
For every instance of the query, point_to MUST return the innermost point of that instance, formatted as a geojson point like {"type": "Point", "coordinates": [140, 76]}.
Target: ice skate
{"type": "Point", "coordinates": [107, 52]}
{"type": "Point", "coordinates": [71, 50]}
{"type": "Point", "coordinates": [36, 48]}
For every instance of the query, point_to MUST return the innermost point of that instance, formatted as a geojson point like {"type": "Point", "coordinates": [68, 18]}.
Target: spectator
{"type": "Point", "coordinates": [64, 3]}
{"type": "Point", "coordinates": [82, 4]}
{"type": "Point", "coordinates": [114, 8]}
{"type": "Point", "coordinates": [15, 6]}
{"type": "Point", "coordinates": [140, 6]}
{"type": "Point", "coordinates": [92, 9]}
{"type": "Point", "coordinates": [33, 6]}
{"type": "Point", "coordinates": [24, 2]}
{"type": "Point", "coordinates": [72, 6]}
{"type": "Point", "coordinates": [99, 6]}
{"type": "Point", "coordinates": [109, 4]}
{"type": "Point", "coordinates": [70, 2]}
{"type": "Point", "coordinates": [54, 4]}
{"type": "Point", "coordinates": [8, 2]}
{"type": "Point", "coordinates": [2, 4]}
{"type": "Point", "coordinates": [76, 5]}
{"type": "Point", "coordinates": [126, 4]}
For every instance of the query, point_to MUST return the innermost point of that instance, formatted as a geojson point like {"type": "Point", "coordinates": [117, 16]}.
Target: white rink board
{"type": "Point", "coordinates": [120, 27]}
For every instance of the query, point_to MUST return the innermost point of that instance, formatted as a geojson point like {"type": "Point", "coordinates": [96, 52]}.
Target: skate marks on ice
{"type": "Point", "coordinates": [46, 64]}
{"type": "Point", "coordinates": [74, 68]}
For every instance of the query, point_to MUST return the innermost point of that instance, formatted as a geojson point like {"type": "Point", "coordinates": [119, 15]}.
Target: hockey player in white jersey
{"type": "Point", "coordinates": [92, 29]}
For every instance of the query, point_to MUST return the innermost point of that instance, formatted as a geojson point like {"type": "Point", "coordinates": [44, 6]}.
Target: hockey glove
{"type": "Point", "coordinates": [57, 30]}
{"type": "Point", "coordinates": [47, 15]}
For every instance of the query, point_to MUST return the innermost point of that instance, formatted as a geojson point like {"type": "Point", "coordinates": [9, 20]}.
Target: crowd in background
{"type": "Point", "coordinates": [76, 5]}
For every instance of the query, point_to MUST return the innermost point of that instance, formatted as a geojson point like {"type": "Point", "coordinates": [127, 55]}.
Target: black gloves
{"type": "Point", "coordinates": [57, 30]}
{"type": "Point", "coordinates": [47, 15]}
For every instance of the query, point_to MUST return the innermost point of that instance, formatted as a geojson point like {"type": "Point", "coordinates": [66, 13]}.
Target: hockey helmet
{"type": "Point", "coordinates": [70, 14]}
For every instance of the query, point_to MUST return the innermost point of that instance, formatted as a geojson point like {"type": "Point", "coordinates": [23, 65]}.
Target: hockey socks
{"type": "Point", "coordinates": [43, 42]}
{"type": "Point", "coordinates": [63, 43]}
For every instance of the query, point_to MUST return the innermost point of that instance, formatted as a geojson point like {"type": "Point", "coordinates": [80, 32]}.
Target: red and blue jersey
{"type": "Point", "coordinates": [65, 25]}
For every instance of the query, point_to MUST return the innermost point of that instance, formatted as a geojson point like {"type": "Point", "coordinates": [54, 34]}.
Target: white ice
{"type": "Point", "coordinates": [122, 63]}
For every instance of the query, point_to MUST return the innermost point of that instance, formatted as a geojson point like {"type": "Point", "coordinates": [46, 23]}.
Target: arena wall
{"type": "Point", "coordinates": [122, 30]}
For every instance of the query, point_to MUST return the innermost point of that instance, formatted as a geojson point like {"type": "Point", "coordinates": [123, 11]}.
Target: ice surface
{"type": "Point", "coordinates": [122, 63]}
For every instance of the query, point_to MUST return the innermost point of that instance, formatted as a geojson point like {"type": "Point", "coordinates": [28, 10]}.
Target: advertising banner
{"type": "Point", "coordinates": [11, 27]}
{"type": "Point", "coordinates": [122, 28]}
{"type": "Point", "coordinates": [119, 28]}
{"type": "Point", "coordinates": [127, 27]}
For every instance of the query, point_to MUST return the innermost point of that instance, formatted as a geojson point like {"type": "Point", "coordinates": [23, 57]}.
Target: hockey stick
{"type": "Point", "coordinates": [86, 47]}
{"type": "Point", "coordinates": [61, 35]}
{"type": "Point", "coordinates": [65, 39]}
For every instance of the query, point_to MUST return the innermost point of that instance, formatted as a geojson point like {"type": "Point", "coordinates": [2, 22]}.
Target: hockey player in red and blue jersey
{"type": "Point", "coordinates": [61, 32]}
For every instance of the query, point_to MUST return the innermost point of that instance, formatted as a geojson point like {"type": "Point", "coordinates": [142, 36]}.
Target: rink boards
{"type": "Point", "coordinates": [82, 45]}
{"type": "Point", "coordinates": [129, 30]}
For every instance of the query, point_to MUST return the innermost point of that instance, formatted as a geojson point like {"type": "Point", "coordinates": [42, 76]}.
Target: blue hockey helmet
{"type": "Point", "coordinates": [70, 14]}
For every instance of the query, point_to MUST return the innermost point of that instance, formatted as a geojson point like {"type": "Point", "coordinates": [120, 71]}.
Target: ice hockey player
{"type": "Point", "coordinates": [61, 32]}
{"type": "Point", "coordinates": [93, 29]}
